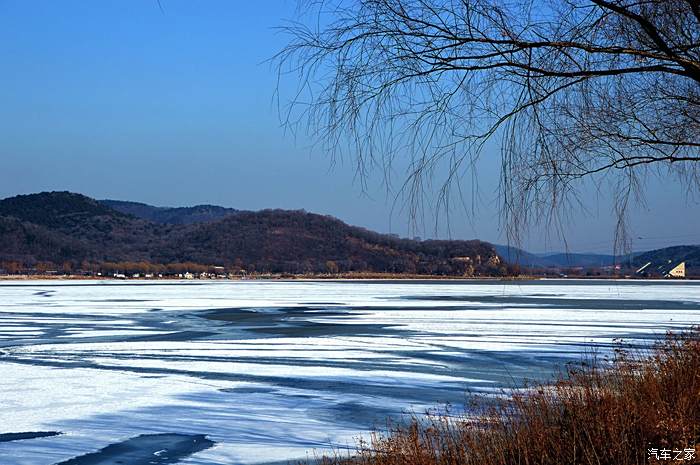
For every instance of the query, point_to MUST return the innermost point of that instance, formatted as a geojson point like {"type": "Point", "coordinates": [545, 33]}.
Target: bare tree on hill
{"type": "Point", "coordinates": [569, 89]}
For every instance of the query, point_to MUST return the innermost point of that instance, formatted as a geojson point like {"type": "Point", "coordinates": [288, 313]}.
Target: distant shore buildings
{"type": "Point", "coordinates": [665, 270]}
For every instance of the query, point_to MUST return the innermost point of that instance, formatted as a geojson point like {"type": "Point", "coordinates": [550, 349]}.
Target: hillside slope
{"type": "Point", "coordinates": [690, 254]}
{"type": "Point", "coordinates": [301, 242]}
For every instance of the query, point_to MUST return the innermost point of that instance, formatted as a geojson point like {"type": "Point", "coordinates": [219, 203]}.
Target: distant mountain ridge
{"type": "Point", "coordinates": [558, 259]}
{"type": "Point", "coordinates": [170, 215]}
{"type": "Point", "coordinates": [78, 232]}
{"type": "Point", "coordinates": [674, 254]}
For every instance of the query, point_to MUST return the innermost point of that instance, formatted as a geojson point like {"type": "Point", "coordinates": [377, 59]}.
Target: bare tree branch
{"type": "Point", "coordinates": [570, 89]}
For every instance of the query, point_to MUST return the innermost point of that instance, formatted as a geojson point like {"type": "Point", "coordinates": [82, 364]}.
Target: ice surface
{"type": "Point", "coordinates": [275, 370]}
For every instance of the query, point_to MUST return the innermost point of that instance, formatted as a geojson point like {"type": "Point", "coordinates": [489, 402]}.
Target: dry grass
{"type": "Point", "coordinates": [591, 416]}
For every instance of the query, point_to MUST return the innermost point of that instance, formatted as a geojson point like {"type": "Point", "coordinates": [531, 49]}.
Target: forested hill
{"type": "Point", "coordinates": [63, 230]}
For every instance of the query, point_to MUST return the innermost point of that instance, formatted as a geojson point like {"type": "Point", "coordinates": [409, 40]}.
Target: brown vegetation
{"type": "Point", "coordinates": [591, 415]}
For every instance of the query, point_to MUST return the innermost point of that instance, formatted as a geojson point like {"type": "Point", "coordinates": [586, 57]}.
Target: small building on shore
{"type": "Point", "coordinates": [677, 271]}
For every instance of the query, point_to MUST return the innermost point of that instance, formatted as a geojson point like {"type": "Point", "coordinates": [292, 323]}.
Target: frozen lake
{"type": "Point", "coordinates": [272, 371]}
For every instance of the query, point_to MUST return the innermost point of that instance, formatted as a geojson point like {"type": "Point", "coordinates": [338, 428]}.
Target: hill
{"type": "Point", "coordinates": [690, 254]}
{"type": "Point", "coordinates": [85, 229]}
{"type": "Point", "coordinates": [300, 242]}
{"type": "Point", "coordinates": [76, 232]}
{"type": "Point", "coordinates": [170, 215]}
{"type": "Point", "coordinates": [55, 209]}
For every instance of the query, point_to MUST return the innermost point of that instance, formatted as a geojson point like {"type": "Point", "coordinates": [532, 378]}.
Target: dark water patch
{"type": "Point", "coordinates": [354, 310]}
{"type": "Point", "coordinates": [7, 437]}
{"type": "Point", "coordinates": [294, 321]}
{"type": "Point", "coordinates": [316, 329]}
{"type": "Point", "coordinates": [268, 315]}
{"type": "Point", "coordinates": [173, 336]}
{"type": "Point", "coordinates": [353, 413]}
{"type": "Point", "coordinates": [45, 293]}
{"type": "Point", "coordinates": [249, 390]}
{"type": "Point", "coordinates": [147, 449]}
{"type": "Point", "coordinates": [393, 389]}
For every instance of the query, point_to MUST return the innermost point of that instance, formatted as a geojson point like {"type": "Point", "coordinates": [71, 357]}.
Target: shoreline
{"type": "Point", "coordinates": [348, 277]}
{"type": "Point", "coordinates": [341, 277]}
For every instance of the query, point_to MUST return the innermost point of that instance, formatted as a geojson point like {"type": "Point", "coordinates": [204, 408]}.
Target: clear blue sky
{"type": "Point", "coordinates": [116, 99]}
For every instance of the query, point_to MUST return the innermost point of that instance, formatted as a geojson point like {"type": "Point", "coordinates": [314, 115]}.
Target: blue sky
{"type": "Point", "coordinates": [116, 99]}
